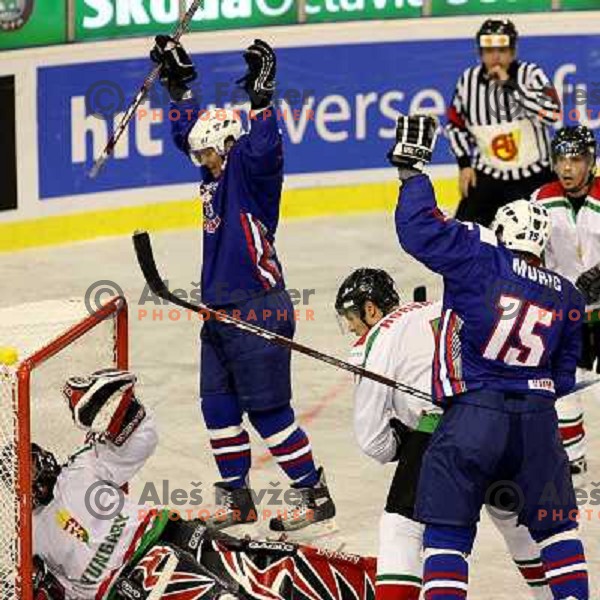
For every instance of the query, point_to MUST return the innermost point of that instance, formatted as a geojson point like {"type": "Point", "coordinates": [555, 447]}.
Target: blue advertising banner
{"type": "Point", "coordinates": [337, 106]}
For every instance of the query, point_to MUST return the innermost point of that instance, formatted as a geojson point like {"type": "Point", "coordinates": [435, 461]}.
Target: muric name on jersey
{"type": "Point", "coordinates": [523, 269]}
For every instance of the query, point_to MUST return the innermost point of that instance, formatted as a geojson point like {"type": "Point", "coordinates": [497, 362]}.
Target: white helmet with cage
{"type": "Point", "coordinates": [523, 226]}
{"type": "Point", "coordinates": [212, 130]}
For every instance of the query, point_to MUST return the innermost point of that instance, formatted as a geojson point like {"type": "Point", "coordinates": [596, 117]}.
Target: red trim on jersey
{"type": "Point", "coordinates": [595, 191]}
{"type": "Point", "coordinates": [438, 388]}
{"type": "Point", "coordinates": [265, 261]}
{"type": "Point", "coordinates": [551, 190]}
{"type": "Point", "coordinates": [252, 249]}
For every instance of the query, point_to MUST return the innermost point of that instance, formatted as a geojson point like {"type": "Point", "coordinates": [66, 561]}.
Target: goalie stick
{"type": "Point", "coordinates": [145, 256]}
{"type": "Point", "coordinates": [148, 82]}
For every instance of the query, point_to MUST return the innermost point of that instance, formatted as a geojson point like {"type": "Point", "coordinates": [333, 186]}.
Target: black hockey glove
{"type": "Point", "coordinates": [177, 68]}
{"type": "Point", "coordinates": [588, 284]}
{"type": "Point", "coordinates": [415, 140]}
{"type": "Point", "coordinates": [259, 81]}
{"type": "Point", "coordinates": [401, 432]}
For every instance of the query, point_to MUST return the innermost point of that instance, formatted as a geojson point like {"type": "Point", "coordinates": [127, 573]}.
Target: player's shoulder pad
{"type": "Point", "coordinates": [402, 315]}
{"type": "Point", "coordinates": [486, 235]}
{"type": "Point", "coordinates": [549, 191]}
{"type": "Point", "coordinates": [595, 191]}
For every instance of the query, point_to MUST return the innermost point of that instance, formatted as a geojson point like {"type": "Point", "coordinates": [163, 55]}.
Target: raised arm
{"type": "Point", "coordinates": [536, 94]}
{"type": "Point", "coordinates": [445, 245]}
{"type": "Point", "coordinates": [104, 405]}
{"type": "Point", "coordinates": [262, 148]}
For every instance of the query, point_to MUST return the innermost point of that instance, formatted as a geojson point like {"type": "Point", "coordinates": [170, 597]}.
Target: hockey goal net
{"type": "Point", "coordinates": [54, 340]}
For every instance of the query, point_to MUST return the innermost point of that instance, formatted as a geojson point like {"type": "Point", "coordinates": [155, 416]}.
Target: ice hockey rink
{"type": "Point", "coordinates": [317, 254]}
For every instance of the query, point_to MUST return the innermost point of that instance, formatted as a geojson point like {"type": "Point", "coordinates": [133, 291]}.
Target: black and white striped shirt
{"type": "Point", "coordinates": [501, 129]}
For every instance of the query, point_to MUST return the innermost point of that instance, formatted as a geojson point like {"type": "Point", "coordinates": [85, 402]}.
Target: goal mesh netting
{"type": "Point", "coordinates": [54, 340]}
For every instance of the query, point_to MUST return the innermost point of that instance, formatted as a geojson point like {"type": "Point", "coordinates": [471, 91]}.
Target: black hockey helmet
{"type": "Point", "coordinates": [44, 473]}
{"type": "Point", "coordinates": [577, 140]}
{"type": "Point", "coordinates": [497, 33]}
{"type": "Point", "coordinates": [367, 284]}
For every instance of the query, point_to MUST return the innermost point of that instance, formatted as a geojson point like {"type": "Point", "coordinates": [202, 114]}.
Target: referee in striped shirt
{"type": "Point", "coordinates": [498, 125]}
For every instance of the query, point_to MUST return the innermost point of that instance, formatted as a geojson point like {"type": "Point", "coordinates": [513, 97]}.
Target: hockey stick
{"type": "Point", "coordinates": [143, 91]}
{"type": "Point", "coordinates": [145, 256]}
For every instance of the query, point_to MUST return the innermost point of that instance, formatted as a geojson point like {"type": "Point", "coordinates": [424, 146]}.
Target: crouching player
{"type": "Point", "coordinates": [508, 345]}
{"type": "Point", "coordinates": [90, 544]}
{"type": "Point", "coordinates": [392, 426]}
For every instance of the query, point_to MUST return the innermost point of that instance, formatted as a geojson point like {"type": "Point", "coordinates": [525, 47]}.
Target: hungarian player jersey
{"type": "Point", "coordinates": [506, 325]}
{"type": "Point", "coordinates": [241, 211]}
{"type": "Point", "coordinates": [90, 530]}
{"type": "Point", "coordinates": [400, 346]}
{"type": "Point", "coordinates": [574, 245]}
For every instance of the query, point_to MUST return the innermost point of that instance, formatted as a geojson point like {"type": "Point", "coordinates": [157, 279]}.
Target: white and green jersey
{"type": "Point", "coordinates": [90, 530]}
{"type": "Point", "coordinates": [574, 245]}
{"type": "Point", "coordinates": [401, 347]}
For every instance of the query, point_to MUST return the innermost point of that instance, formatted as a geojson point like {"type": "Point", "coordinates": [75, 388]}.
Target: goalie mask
{"type": "Point", "coordinates": [497, 33]}
{"type": "Point", "coordinates": [44, 473]}
{"type": "Point", "coordinates": [523, 226]}
{"type": "Point", "coordinates": [367, 284]}
{"type": "Point", "coordinates": [212, 130]}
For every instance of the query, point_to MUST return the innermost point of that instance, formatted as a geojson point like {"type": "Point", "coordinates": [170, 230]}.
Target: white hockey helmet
{"type": "Point", "coordinates": [212, 129]}
{"type": "Point", "coordinates": [524, 226]}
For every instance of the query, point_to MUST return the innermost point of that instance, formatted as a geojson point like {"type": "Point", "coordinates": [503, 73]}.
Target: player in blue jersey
{"type": "Point", "coordinates": [507, 346]}
{"type": "Point", "coordinates": [241, 179]}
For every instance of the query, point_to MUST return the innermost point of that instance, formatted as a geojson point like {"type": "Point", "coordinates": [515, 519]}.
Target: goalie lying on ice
{"type": "Point", "coordinates": [89, 542]}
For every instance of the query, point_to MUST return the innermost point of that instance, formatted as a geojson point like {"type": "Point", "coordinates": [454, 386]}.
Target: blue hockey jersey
{"type": "Point", "coordinates": [241, 211]}
{"type": "Point", "coordinates": [506, 325]}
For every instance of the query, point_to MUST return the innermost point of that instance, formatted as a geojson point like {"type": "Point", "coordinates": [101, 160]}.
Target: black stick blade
{"type": "Point", "coordinates": [145, 257]}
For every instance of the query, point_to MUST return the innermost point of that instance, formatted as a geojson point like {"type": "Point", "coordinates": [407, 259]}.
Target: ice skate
{"type": "Point", "coordinates": [233, 506]}
{"type": "Point", "coordinates": [312, 516]}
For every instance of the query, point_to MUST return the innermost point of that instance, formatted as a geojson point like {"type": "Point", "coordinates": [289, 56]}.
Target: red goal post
{"type": "Point", "coordinates": [54, 340]}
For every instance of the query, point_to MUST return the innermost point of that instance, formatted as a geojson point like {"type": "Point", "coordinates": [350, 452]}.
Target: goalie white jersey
{"type": "Point", "coordinates": [574, 245]}
{"type": "Point", "coordinates": [89, 531]}
{"type": "Point", "coordinates": [400, 346]}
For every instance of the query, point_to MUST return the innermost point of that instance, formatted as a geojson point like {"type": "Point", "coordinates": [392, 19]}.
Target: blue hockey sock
{"type": "Point", "coordinates": [288, 444]}
{"type": "Point", "coordinates": [566, 567]}
{"type": "Point", "coordinates": [446, 570]}
{"type": "Point", "coordinates": [445, 575]}
{"type": "Point", "coordinates": [229, 440]}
